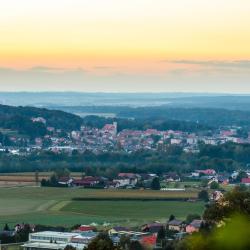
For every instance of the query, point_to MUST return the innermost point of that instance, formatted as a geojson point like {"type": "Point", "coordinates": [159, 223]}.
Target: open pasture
{"type": "Point", "coordinates": [57, 206]}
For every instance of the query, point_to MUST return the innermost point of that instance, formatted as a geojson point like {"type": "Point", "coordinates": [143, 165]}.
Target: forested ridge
{"type": "Point", "coordinates": [19, 119]}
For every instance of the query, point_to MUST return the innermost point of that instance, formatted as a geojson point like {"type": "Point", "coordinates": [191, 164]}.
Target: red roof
{"type": "Point", "coordinates": [207, 171]}
{"type": "Point", "coordinates": [149, 240]}
{"type": "Point", "coordinates": [245, 180]}
{"type": "Point", "coordinates": [85, 228]}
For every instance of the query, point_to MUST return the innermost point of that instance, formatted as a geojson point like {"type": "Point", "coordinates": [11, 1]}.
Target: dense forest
{"type": "Point", "coordinates": [223, 158]}
{"type": "Point", "coordinates": [19, 119]}
{"type": "Point", "coordinates": [203, 116]}
{"type": "Point", "coordinates": [211, 117]}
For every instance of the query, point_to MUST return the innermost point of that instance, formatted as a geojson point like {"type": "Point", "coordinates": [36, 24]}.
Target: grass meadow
{"type": "Point", "coordinates": [57, 206]}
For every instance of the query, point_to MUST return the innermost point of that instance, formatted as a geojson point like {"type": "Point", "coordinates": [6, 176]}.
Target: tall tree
{"type": "Point", "coordinates": [155, 185]}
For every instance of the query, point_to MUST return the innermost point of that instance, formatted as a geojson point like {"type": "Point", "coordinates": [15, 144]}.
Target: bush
{"type": "Point", "coordinates": [203, 195]}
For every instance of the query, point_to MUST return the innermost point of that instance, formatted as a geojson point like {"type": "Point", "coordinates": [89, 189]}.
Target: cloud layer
{"type": "Point", "coordinates": [185, 76]}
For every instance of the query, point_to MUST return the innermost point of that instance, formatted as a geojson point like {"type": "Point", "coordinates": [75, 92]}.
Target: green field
{"type": "Point", "coordinates": [54, 206]}
{"type": "Point", "coordinates": [133, 210]}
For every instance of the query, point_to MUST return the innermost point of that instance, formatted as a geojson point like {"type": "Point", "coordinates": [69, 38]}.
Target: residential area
{"type": "Point", "coordinates": [81, 236]}
{"type": "Point", "coordinates": [111, 139]}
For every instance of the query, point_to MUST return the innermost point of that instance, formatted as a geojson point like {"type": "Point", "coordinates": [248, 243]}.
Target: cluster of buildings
{"type": "Point", "coordinates": [81, 237]}
{"type": "Point", "coordinates": [122, 180]}
{"type": "Point", "coordinates": [222, 178]}
{"type": "Point", "coordinates": [144, 180]}
{"type": "Point", "coordinates": [109, 139]}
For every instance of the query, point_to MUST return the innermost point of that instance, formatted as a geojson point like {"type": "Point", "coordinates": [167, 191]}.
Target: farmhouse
{"type": "Point", "coordinates": [88, 181]}
{"type": "Point", "coordinates": [176, 225]}
{"type": "Point", "coordinates": [153, 227]}
{"type": "Point", "coordinates": [194, 226]}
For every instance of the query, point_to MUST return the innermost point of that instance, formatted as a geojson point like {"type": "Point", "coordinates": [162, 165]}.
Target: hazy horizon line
{"type": "Point", "coordinates": [125, 92]}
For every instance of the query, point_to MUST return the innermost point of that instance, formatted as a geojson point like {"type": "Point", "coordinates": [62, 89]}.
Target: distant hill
{"type": "Point", "coordinates": [212, 117]}
{"type": "Point", "coordinates": [19, 119]}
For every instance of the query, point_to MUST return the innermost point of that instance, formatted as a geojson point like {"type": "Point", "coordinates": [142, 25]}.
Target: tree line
{"type": "Point", "coordinates": [223, 158]}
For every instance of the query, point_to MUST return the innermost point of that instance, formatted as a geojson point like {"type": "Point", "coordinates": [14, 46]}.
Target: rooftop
{"type": "Point", "coordinates": [55, 234]}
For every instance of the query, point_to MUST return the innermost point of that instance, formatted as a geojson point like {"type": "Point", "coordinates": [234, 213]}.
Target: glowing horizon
{"type": "Point", "coordinates": [117, 45]}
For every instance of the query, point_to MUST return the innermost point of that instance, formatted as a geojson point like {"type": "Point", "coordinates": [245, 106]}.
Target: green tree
{"type": "Point", "coordinates": [62, 172]}
{"type": "Point", "coordinates": [234, 235]}
{"type": "Point", "coordinates": [101, 242]}
{"type": "Point", "coordinates": [155, 185]}
{"type": "Point", "coordinates": [6, 227]}
{"type": "Point", "coordinates": [171, 217]}
{"type": "Point", "coordinates": [214, 185]}
{"type": "Point", "coordinates": [233, 202]}
{"type": "Point", "coordinates": [136, 245]}
{"type": "Point", "coordinates": [69, 247]}
{"type": "Point", "coordinates": [161, 237]}
{"type": "Point", "coordinates": [204, 183]}
{"type": "Point", "coordinates": [203, 195]}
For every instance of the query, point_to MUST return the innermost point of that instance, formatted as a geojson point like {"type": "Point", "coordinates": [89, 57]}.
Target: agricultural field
{"type": "Point", "coordinates": [69, 206]}
{"type": "Point", "coordinates": [28, 178]}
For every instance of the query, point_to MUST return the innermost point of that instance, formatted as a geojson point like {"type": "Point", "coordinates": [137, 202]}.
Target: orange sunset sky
{"type": "Point", "coordinates": [125, 45]}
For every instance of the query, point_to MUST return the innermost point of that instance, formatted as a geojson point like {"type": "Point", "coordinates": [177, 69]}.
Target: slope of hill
{"type": "Point", "coordinates": [20, 119]}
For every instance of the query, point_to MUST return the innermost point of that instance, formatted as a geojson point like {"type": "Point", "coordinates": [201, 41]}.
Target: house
{"type": "Point", "coordinates": [125, 181]}
{"type": "Point", "coordinates": [194, 226]}
{"type": "Point", "coordinates": [223, 180]}
{"type": "Point", "coordinates": [88, 181]}
{"type": "Point", "coordinates": [152, 228]}
{"type": "Point", "coordinates": [124, 231]}
{"type": "Point", "coordinates": [67, 181]}
{"type": "Point", "coordinates": [207, 171]}
{"type": "Point", "coordinates": [83, 238]}
{"type": "Point", "coordinates": [148, 240]}
{"type": "Point", "coordinates": [38, 119]}
{"type": "Point", "coordinates": [176, 225]}
{"type": "Point", "coordinates": [116, 230]}
{"type": "Point", "coordinates": [245, 181]}
{"type": "Point", "coordinates": [176, 141]}
{"type": "Point", "coordinates": [194, 175]}
{"type": "Point", "coordinates": [86, 228]}
{"type": "Point", "coordinates": [170, 177]}
{"type": "Point", "coordinates": [192, 140]}
{"type": "Point", "coordinates": [112, 184]}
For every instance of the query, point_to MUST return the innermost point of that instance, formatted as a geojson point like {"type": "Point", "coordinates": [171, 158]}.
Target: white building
{"type": "Point", "coordinates": [54, 240]}
{"type": "Point", "coordinates": [176, 141]}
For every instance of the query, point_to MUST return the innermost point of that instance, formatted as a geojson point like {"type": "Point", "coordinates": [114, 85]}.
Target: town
{"type": "Point", "coordinates": [108, 139]}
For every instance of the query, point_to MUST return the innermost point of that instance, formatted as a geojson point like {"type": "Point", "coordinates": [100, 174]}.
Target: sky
{"type": "Point", "coordinates": [125, 45]}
